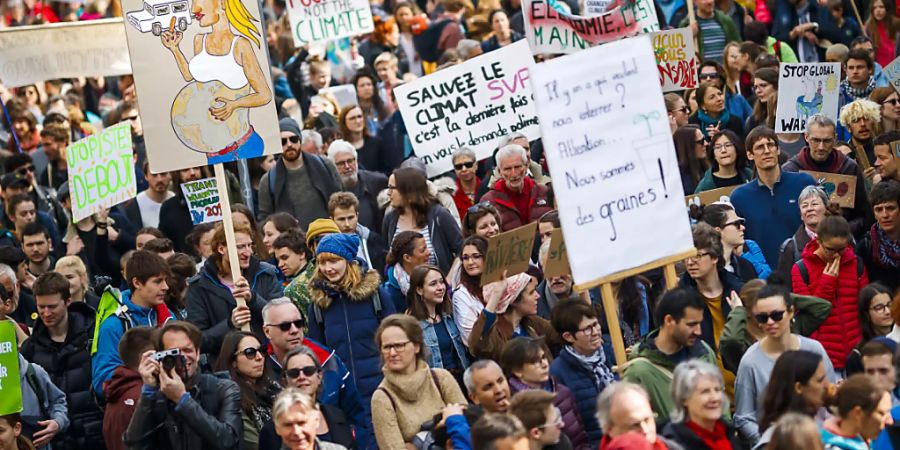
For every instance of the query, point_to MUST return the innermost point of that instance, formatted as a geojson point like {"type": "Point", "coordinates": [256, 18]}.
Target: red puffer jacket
{"type": "Point", "coordinates": [840, 332]}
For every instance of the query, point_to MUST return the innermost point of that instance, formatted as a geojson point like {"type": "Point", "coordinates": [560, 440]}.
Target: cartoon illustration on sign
{"type": "Point", "coordinates": [810, 103]}
{"type": "Point", "coordinates": [211, 114]}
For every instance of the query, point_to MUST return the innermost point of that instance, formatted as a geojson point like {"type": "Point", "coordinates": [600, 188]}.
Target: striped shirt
{"type": "Point", "coordinates": [713, 39]}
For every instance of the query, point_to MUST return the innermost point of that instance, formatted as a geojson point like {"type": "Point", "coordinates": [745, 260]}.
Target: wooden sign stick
{"type": "Point", "coordinates": [234, 264]}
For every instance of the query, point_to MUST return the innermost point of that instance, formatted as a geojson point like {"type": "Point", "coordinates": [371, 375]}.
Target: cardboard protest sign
{"type": "Point", "coordinates": [806, 89]}
{"type": "Point", "coordinates": [473, 104]}
{"type": "Point", "coordinates": [509, 251]}
{"type": "Point", "coordinates": [711, 196]}
{"type": "Point", "coordinates": [203, 200]}
{"type": "Point", "coordinates": [841, 189]}
{"type": "Point", "coordinates": [895, 148]}
{"type": "Point", "coordinates": [32, 54]}
{"type": "Point", "coordinates": [611, 156]}
{"type": "Point", "coordinates": [199, 105]}
{"type": "Point", "coordinates": [101, 171]}
{"type": "Point", "coordinates": [551, 28]}
{"type": "Point", "coordinates": [557, 258]}
{"type": "Point", "coordinates": [10, 386]}
{"type": "Point", "coordinates": [676, 59]}
{"type": "Point", "coordinates": [326, 20]}
{"type": "Point", "coordinates": [892, 72]}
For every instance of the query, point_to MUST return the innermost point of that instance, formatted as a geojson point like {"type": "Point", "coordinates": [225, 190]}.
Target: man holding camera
{"type": "Point", "coordinates": [180, 407]}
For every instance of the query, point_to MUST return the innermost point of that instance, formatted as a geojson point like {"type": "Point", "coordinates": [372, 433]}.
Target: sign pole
{"type": "Point", "coordinates": [234, 264]}
{"type": "Point", "coordinates": [692, 18]}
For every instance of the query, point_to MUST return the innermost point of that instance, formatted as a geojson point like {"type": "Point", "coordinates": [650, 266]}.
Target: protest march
{"type": "Point", "coordinates": [449, 224]}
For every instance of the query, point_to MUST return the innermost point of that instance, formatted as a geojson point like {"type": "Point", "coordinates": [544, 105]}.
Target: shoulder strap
{"type": "Point", "coordinates": [31, 379]}
{"type": "Point", "coordinates": [437, 383]}
{"type": "Point", "coordinates": [668, 373]}
{"type": "Point", "coordinates": [376, 303]}
{"type": "Point", "coordinates": [272, 175]}
{"type": "Point", "coordinates": [804, 272]}
{"type": "Point", "coordinates": [389, 396]}
{"type": "Point", "coordinates": [860, 267]}
{"type": "Point", "coordinates": [317, 313]}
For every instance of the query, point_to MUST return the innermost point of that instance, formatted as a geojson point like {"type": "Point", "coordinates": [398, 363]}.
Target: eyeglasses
{"type": "Point", "coordinates": [697, 257]}
{"type": "Point", "coordinates": [397, 347]}
{"type": "Point", "coordinates": [832, 250]}
{"type": "Point", "coordinates": [767, 147]}
{"type": "Point", "coordinates": [286, 326]}
{"type": "Point", "coordinates": [683, 109]}
{"type": "Point", "coordinates": [881, 307]}
{"type": "Point", "coordinates": [25, 169]}
{"type": "Point", "coordinates": [776, 316]}
{"type": "Point", "coordinates": [820, 141]}
{"type": "Point", "coordinates": [293, 139]}
{"type": "Point", "coordinates": [348, 162]}
{"type": "Point", "coordinates": [134, 117]}
{"type": "Point", "coordinates": [759, 86]}
{"type": "Point", "coordinates": [708, 76]}
{"type": "Point", "coordinates": [725, 146]}
{"type": "Point", "coordinates": [307, 371]}
{"type": "Point", "coordinates": [465, 165]}
{"type": "Point", "coordinates": [473, 257]}
{"type": "Point", "coordinates": [738, 223]}
{"type": "Point", "coordinates": [251, 352]}
{"type": "Point", "coordinates": [590, 330]}
{"type": "Point", "coordinates": [892, 101]}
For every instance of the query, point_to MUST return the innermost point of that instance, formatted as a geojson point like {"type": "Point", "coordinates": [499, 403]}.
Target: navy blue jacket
{"type": "Point", "coordinates": [569, 372]}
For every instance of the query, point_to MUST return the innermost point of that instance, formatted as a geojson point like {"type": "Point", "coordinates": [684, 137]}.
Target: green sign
{"type": "Point", "coordinates": [101, 171]}
{"type": "Point", "coordinates": [10, 389]}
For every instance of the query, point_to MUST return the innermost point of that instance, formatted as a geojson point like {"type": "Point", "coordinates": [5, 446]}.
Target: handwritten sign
{"type": "Point", "coordinates": [607, 142]}
{"type": "Point", "coordinates": [473, 105]}
{"type": "Point", "coordinates": [10, 387]}
{"type": "Point", "coordinates": [557, 258]}
{"type": "Point", "coordinates": [550, 28]}
{"type": "Point", "coordinates": [806, 89]}
{"type": "Point", "coordinates": [509, 251]}
{"type": "Point", "coordinates": [676, 59]}
{"type": "Point", "coordinates": [327, 20]}
{"type": "Point", "coordinates": [841, 189]}
{"type": "Point", "coordinates": [203, 200]}
{"type": "Point", "coordinates": [892, 72]}
{"type": "Point", "coordinates": [101, 170]}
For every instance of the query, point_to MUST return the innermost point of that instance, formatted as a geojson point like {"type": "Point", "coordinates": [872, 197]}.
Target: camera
{"type": "Point", "coordinates": [172, 359]}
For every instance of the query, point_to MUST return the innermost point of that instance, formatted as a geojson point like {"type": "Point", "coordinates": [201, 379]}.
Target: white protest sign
{"type": "Point", "coordinates": [101, 170]}
{"type": "Point", "coordinates": [32, 54]}
{"type": "Point", "coordinates": [607, 142]}
{"type": "Point", "coordinates": [892, 72]}
{"type": "Point", "coordinates": [473, 104]}
{"type": "Point", "coordinates": [203, 200]}
{"type": "Point", "coordinates": [327, 20]}
{"type": "Point", "coordinates": [806, 89]}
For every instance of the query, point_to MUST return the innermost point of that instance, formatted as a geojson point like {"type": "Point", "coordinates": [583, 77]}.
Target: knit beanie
{"type": "Point", "coordinates": [343, 245]}
{"type": "Point", "coordinates": [319, 227]}
{"type": "Point", "coordinates": [289, 125]}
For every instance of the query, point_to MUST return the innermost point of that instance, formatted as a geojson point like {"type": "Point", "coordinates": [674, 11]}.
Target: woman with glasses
{"type": "Point", "coordinates": [712, 116]}
{"type": "Point", "coordinates": [875, 310]}
{"type": "Point", "coordinates": [773, 312]}
{"type": "Point", "coordinates": [765, 86]}
{"type": "Point", "coordinates": [700, 401]}
{"type": "Point", "coordinates": [690, 148]}
{"type": "Point", "coordinates": [303, 371]}
{"type": "Point", "coordinates": [889, 100]}
{"type": "Point", "coordinates": [465, 166]}
{"type": "Point", "coordinates": [728, 163]}
{"type": "Point", "coordinates": [526, 364]}
{"type": "Point", "coordinates": [468, 296]}
{"type": "Point", "coordinates": [411, 393]}
{"type": "Point", "coordinates": [742, 257]}
{"type": "Point", "coordinates": [408, 251]}
{"type": "Point", "coordinates": [243, 358]}
{"type": "Point", "coordinates": [813, 202]}
{"type": "Point", "coordinates": [829, 269]}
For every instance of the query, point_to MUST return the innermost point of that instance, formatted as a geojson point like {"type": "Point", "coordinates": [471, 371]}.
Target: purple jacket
{"type": "Point", "coordinates": [572, 425]}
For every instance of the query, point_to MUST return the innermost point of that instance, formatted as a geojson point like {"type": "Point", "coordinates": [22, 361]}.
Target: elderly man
{"type": "Point", "coordinates": [519, 199]}
{"type": "Point", "coordinates": [624, 408]}
{"type": "Point", "coordinates": [364, 184]}
{"type": "Point", "coordinates": [487, 386]}
{"type": "Point", "coordinates": [311, 142]}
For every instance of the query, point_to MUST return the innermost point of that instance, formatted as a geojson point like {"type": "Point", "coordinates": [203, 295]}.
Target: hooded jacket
{"type": "Point", "coordinates": [209, 302]}
{"type": "Point", "coordinates": [53, 407]}
{"type": "Point", "coordinates": [122, 393]}
{"type": "Point", "coordinates": [708, 182]}
{"type": "Point", "coordinates": [348, 323]}
{"type": "Point", "coordinates": [67, 364]}
{"type": "Point", "coordinates": [573, 427]}
{"type": "Point", "coordinates": [840, 332]}
{"type": "Point", "coordinates": [538, 203]}
{"type": "Point", "coordinates": [446, 237]}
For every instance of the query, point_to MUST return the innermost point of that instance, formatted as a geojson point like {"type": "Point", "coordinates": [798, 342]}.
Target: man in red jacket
{"type": "Point", "coordinates": [123, 390]}
{"type": "Point", "coordinates": [517, 196]}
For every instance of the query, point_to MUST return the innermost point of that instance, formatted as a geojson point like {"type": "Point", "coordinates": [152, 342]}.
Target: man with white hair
{"type": "Point", "coordinates": [624, 408]}
{"type": "Point", "coordinates": [519, 199]}
{"type": "Point", "coordinates": [365, 184]}
{"type": "Point", "coordinates": [311, 142]}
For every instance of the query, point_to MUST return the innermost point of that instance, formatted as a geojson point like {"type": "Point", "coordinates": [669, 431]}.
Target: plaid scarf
{"type": "Point", "coordinates": [850, 91]}
{"type": "Point", "coordinates": [597, 365]}
{"type": "Point", "coordinates": [885, 251]}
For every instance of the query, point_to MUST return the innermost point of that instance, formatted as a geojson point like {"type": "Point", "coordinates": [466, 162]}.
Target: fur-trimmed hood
{"type": "Point", "coordinates": [323, 292]}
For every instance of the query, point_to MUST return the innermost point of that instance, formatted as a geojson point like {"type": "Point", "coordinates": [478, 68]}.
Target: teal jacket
{"type": "Point", "coordinates": [707, 184]}
{"type": "Point", "coordinates": [728, 26]}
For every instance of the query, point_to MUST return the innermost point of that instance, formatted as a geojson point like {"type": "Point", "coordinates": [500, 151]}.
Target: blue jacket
{"type": "Point", "coordinates": [392, 290]}
{"type": "Point", "coordinates": [434, 346]}
{"type": "Point", "coordinates": [105, 361]}
{"type": "Point", "coordinates": [569, 372]}
{"type": "Point", "coordinates": [346, 322]}
{"type": "Point", "coordinates": [754, 254]}
{"type": "Point", "coordinates": [772, 215]}
{"type": "Point", "coordinates": [738, 106]}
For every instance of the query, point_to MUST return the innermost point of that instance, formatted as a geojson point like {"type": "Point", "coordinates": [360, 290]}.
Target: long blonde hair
{"type": "Point", "coordinates": [352, 277]}
{"type": "Point", "coordinates": [241, 20]}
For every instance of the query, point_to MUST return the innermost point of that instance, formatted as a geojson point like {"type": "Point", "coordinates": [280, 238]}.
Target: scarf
{"type": "Point", "coordinates": [716, 439]}
{"type": "Point", "coordinates": [884, 251]}
{"type": "Point", "coordinates": [402, 278]}
{"type": "Point", "coordinates": [831, 165]}
{"type": "Point", "coordinates": [850, 91]}
{"type": "Point", "coordinates": [706, 121]}
{"type": "Point", "coordinates": [597, 365]}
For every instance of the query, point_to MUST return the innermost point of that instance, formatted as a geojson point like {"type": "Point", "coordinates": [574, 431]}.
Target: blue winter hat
{"type": "Point", "coordinates": [343, 245]}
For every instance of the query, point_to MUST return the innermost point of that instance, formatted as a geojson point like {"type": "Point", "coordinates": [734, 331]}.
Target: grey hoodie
{"type": "Point", "coordinates": [54, 402]}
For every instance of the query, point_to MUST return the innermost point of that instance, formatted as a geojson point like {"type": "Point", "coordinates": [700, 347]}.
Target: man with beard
{"type": "Point", "coordinates": [365, 184]}
{"type": "Point", "coordinates": [679, 314]}
{"type": "Point", "coordinates": [880, 246]}
{"type": "Point", "coordinates": [143, 211]}
{"type": "Point", "coordinates": [37, 246]}
{"type": "Point", "coordinates": [300, 183]}
{"type": "Point", "coordinates": [858, 119]}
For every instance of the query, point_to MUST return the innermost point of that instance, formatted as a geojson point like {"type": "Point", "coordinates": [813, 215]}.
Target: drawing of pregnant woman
{"type": "Point", "coordinates": [212, 113]}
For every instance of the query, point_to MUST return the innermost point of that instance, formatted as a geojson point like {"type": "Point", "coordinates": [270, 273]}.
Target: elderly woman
{"type": "Point", "coordinates": [72, 267]}
{"type": "Point", "coordinates": [411, 392]}
{"type": "Point", "coordinates": [696, 422]}
{"type": "Point", "coordinates": [813, 202]}
{"type": "Point", "coordinates": [296, 418]}
{"type": "Point", "coordinates": [464, 166]}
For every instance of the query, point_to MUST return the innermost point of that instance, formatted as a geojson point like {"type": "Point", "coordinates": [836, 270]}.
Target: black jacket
{"type": "Point", "coordinates": [446, 238]}
{"type": "Point", "coordinates": [681, 434]}
{"type": "Point", "coordinates": [69, 366]}
{"type": "Point", "coordinates": [339, 428]}
{"type": "Point", "coordinates": [209, 419]}
{"type": "Point", "coordinates": [366, 190]}
{"type": "Point", "coordinates": [209, 302]}
{"type": "Point", "coordinates": [877, 272]}
{"type": "Point", "coordinates": [322, 175]}
{"type": "Point", "coordinates": [730, 283]}
{"type": "Point", "coordinates": [175, 219]}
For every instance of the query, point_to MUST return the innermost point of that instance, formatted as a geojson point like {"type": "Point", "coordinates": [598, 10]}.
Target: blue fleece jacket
{"type": "Point", "coordinates": [772, 215]}
{"type": "Point", "coordinates": [105, 361]}
{"type": "Point", "coordinates": [754, 254]}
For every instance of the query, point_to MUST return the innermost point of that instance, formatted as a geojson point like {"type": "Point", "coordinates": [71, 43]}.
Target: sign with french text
{"type": "Point", "coordinates": [676, 59]}
{"type": "Point", "coordinates": [327, 20]}
{"type": "Point", "coordinates": [203, 200]}
{"type": "Point", "coordinates": [101, 170]}
{"type": "Point", "coordinates": [806, 89]}
{"type": "Point", "coordinates": [557, 256]}
{"type": "Point", "coordinates": [510, 252]}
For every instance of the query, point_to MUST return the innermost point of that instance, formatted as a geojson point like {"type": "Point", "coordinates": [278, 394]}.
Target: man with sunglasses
{"type": "Point", "coordinates": [300, 183]}
{"type": "Point", "coordinates": [820, 155]}
{"type": "Point", "coordinates": [283, 325]}
{"type": "Point", "coordinates": [364, 184]}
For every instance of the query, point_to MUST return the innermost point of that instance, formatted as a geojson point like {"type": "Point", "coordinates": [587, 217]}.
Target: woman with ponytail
{"type": "Point", "coordinates": [11, 437]}
{"type": "Point", "coordinates": [829, 269]}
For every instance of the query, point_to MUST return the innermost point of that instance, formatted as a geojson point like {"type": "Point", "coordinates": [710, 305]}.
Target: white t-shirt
{"type": "Point", "coordinates": [150, 209]}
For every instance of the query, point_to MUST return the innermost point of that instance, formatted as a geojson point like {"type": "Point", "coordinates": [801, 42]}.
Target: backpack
{"type": "Point", "coordinates": [777, 47]}
{"type": "Point", "coordinates": [426, 42]}
{"type": "Point", "coordinates": [804, 271]}
{"type": "Point", "coordinates": [376, 303]}
{"type": "Point", "coordinates": [35, 385]}
{"type": "Point", "coordinates": [110, 304]}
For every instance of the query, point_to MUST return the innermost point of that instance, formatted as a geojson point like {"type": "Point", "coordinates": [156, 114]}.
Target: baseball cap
{"type": "Point", "coordinates": [12, 180]}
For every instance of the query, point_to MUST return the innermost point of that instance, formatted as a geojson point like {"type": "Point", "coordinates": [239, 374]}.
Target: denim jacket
{"type": "Point", "coordinates": [431, 341]}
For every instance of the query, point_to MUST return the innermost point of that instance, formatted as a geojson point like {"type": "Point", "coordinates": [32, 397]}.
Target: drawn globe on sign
{"type": "Point", "coordinates": [196, 127]}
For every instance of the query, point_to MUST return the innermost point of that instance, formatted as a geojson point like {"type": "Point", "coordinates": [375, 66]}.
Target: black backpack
{"type": "Point", "coordinates": [426, 42]}
{"type": "Point", "coordinates": [804, 271]}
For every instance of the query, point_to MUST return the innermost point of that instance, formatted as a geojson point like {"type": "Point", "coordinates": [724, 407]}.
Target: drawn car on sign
{"type": "Point", "coordinates": [159, 14]}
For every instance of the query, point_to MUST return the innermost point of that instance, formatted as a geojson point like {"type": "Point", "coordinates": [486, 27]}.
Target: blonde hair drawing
{"type": "Point", "coordinates": [241, 20]}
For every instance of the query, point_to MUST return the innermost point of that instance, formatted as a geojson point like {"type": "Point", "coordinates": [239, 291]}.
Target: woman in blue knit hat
{"type": "Point", "coordinates": [347, 306]}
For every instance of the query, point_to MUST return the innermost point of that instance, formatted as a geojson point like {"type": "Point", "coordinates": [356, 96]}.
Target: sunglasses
{"type": "Point", "coordinates": [307, 371]}
{"type": "Point", "coordinates": [892, 101]}
{"type": "Point", "coordinates": [708, 76]}
{"type": "Point", "coordinates": [251, 352]}
{"type": "Point", "coordinates": [292, 139]}
{"type": "Point", "coordinates": [478, 207]}
{"type": "Point", "coordinates": [465, 165]}
{"type": "Point", "coordinates": [738, 223]}
{"type": "Point", "coordinates": [286, 326]}
{"type": "Point", "coordinates": [24, 170]}
{"type": "Point", "coordinates": [776, 316]}
{"type": "Point", "coordinates": [134, 117]}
